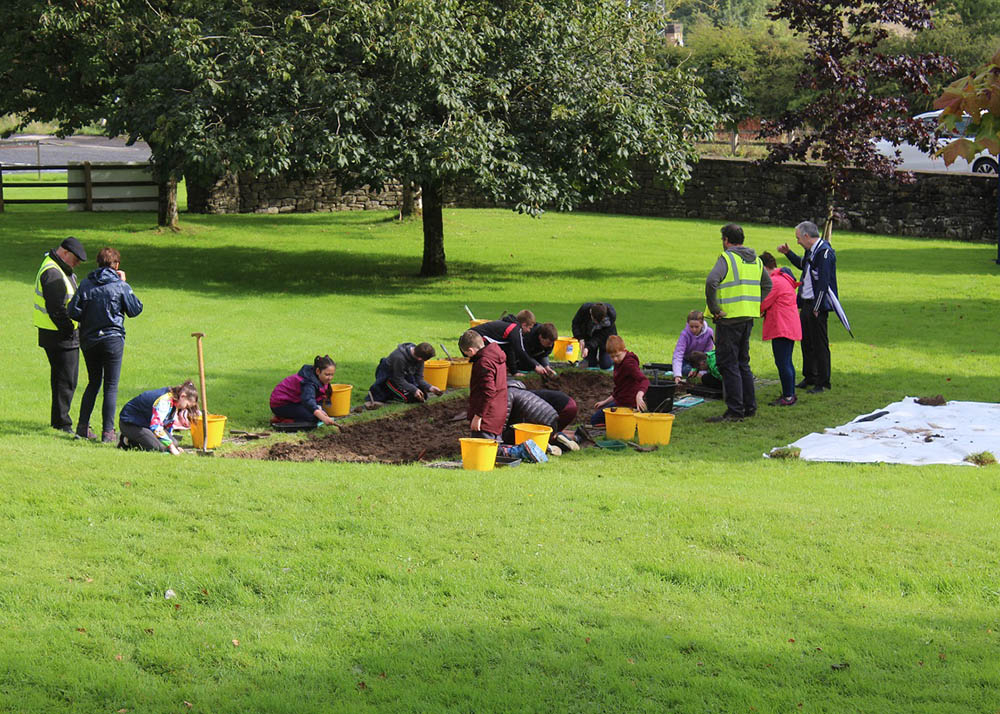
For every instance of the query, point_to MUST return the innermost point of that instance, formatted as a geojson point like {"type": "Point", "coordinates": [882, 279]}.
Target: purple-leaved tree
{"type": "Point", "coordinates": [848, 78]}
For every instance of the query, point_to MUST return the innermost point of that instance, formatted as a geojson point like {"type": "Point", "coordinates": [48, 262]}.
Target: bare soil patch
{"type": "Point", "coordinates": [422, 432]}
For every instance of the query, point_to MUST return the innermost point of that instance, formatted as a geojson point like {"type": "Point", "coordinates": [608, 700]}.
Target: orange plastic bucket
{"type": "Point", "coordinates": [478, 454]}
{"type": "Point", "coordinates": [473, 323]}
{"type": "Point", "coordinates": [620, 422]}
{"type": "Point", "coordinates": [654, 428]}
{"type": "Point", "coordinates": [566, 349]}
{"type": "Point", "coordinates": [216, 425]}
{"type": "Point", "coordinates": [538, 433]}
{"type": "Point", "coordinates": [459, 373]}
{"type": "Point", "coordinates": [436, 373]}
{"type": "Point", "coordinates": [340, 400]}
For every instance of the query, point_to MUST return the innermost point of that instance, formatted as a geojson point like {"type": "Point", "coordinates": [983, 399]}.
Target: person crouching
{"type": "Point", "coordinates": [400, 376]}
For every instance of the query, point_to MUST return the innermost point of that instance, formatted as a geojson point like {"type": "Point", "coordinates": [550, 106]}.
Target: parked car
{"type": "Point", "coordinates": [913, 159]}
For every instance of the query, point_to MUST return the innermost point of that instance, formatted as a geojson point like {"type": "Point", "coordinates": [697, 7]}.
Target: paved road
{"type": "Point", "coordinates": [20, 150]}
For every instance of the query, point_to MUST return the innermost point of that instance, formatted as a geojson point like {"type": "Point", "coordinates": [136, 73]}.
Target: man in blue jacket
{"type": "Point", "coordinates": [819, 281]}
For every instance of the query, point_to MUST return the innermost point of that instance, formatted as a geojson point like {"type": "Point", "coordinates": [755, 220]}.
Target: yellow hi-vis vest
{"type": "Point", "coordinates": [739, 296]}
{"type": "Point", "coordinates": [41, 315]}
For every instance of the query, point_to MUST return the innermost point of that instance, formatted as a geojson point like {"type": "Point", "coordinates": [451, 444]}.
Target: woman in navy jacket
{"type": "Point", "coordinates": [100, 306]}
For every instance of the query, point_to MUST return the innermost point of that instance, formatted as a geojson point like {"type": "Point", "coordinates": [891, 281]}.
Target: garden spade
{"type": "Point", "coordinates": [204, 398]}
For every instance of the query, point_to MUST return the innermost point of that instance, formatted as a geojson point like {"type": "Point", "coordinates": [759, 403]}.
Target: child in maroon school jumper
{"type": "Point", "coordinates": [631, 384]}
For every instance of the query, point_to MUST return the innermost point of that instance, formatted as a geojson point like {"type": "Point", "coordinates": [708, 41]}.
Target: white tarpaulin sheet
{"type": "Point", "coordinates": [910, 433]}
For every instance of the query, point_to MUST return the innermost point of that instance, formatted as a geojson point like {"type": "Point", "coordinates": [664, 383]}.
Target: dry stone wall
{"type": "Point", "coordinates": [935, 204]}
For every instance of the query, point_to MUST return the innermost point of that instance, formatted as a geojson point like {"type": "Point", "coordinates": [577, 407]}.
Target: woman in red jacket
{"type": "Point", "coordinates": [781, 326]}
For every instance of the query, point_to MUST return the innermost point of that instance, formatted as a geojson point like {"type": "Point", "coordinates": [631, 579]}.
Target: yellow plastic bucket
{"type": "Point", "coordinates": [566, 349]}
{"type": "Point", "coordinates": [216, 425]}
{"type": "Point", "coordinates": [654, 428]}
{"type": "Point", "coordinates": [538, 433]}
{"type": "Point", "coordinates": [436, 373]}
{"type": "Point", "coordinates": [473, 323]}
{"type": "Point", "coordinates": [620, 422]}
{"type": "Point", "coordinates": [478, 454]}
{"type": "Point", "coordinates": [459, 373]}
{"type": "Point", "coordinates": [340, 400]}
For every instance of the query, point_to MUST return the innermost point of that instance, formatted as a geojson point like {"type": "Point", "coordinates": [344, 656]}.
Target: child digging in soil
{"type": "Point", "coordinates": [400, 376]}
{"type": "Point", "coordinates": [695, 337]}
{"type": "Point", "coordinates": [488, 395]}
{"type": "Point", "coordinates": [298, 396]}
{"type": "Point", "coordinates": [631, 384]}
{"type": "Point", "coordinates": [705, 364]}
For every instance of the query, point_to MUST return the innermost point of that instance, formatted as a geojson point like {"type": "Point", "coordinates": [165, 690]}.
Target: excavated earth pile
{"type": "Point", "coordinates": [421, 432]}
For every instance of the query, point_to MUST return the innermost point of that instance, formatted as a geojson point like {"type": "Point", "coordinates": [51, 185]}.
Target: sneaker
{"type": "Point", "coordinates": [803, 384]}
{"type": "Point", "coordinates": [787, 401]}
{"type": "Point", "coordinates": [553, 450]}
{"type": "Point", "coordinates": [109, 437]}
{"type": "Point", "coordinates": [88, 435]}
{"type": "Point", "coordinates": [567, 442]}
{"type": "Point", "coordinates": [533, 452]}
{"type": "Point", "coordinates": [124, 443]}
{"type": "Point", "coordinates": [725, 417]}
{"type": "Point", "coordinates": [817, 390]}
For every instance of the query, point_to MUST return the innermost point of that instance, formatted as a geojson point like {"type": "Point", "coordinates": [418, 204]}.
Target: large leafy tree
{"type": "Point", "coordinates": [534, 103]}
{"type": "Point", "coordinates": [846, 78]}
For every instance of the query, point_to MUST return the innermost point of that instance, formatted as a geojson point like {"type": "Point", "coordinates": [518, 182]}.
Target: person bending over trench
{"type": "Point", "coordinates": [147, 421]}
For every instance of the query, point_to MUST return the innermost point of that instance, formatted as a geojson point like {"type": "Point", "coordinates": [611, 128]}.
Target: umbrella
{"type": "Point", "coordinates": [838, 308]}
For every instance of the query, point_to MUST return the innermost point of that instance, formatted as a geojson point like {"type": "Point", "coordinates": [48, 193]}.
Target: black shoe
{"type": "Point", "coordinates": [724, 417]}
{"type": "Point", "coordinates": [67, 429]}
{"type": "Point", "coordinates": [751, 413]}
{"type": "Point", "coordinates": [803, 384]}
{"type": "Point", "coordinates": [817, 390]}
{"type": "Point", "coordinates": [90, 435]}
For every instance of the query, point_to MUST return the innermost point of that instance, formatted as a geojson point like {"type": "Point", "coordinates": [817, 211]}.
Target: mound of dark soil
{"type": "Point", "coordinates": [422, 432]}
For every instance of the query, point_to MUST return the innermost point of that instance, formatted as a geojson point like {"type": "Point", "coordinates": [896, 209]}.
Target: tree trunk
{"type": "Point", "coordinates": [410, 205]}
{"type": "Point", "coordinates": [167, 217]}
{"type": "Point", "coordinates": [434, 263]}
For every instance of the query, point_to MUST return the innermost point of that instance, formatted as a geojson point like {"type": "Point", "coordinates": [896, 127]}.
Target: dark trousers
{"type": "Point", "coordinates": [597, 355]}
{"type": "Point", "coordinates": [104, 362]}
{"type": "Point", "coordinates": [295, 412]}
{"type": "Point", "coordinates": [568, 414]}
{"type": "Point", "coordinates": [732, 357]}
{"type": "Point", "coordinates": [64, 365]}
{"type": "Point", "coordinates": [142, 437]}
{"type": "Point", "coordinates": [782, 348]}
{"type": "Point", "coordinates": [815, 346]}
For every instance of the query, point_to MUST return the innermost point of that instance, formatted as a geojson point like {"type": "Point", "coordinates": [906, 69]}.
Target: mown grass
{"type": "Point", "coordinates": [701, 577]}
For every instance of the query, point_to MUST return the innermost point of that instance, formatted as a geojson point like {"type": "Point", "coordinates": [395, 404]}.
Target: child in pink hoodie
{"type": "Point", "coordinates": [781, 326]}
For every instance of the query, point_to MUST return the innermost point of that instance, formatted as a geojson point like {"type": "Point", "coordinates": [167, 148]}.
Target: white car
{"type": "Point", "coordinates": [913, 159]}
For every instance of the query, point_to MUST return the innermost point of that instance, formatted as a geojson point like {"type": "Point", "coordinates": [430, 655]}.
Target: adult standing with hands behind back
{"type": "Point", "coordinates": [817, 291]}
{"type": "Point", "coordinates": [55, 285]}
{"type": "Point", "coordinates": [101, 305]}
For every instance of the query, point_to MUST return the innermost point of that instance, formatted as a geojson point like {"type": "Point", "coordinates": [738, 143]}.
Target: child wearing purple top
{"type": "Point", "coordinates": [695, 337]}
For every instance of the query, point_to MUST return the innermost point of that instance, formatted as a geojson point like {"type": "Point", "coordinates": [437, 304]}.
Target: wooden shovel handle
{"type": "Point", "coordinates": [204, 396]}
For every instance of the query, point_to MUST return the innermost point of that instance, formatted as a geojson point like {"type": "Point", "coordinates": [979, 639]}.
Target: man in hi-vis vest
{"type": "Point", "coordinates": [734, 290]}
{"type": "Point", "coordinates": [55, 284]}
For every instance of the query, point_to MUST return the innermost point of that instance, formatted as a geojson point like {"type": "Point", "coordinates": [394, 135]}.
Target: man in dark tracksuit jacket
{"type": "Point", "coordinates": [594, 323]}
{"type": "Point", "coordinates": [55, 285]}
{"type": "Point", "coordinates": [819, 281]}
{"type": "Point", "coordinates": [400, 376]}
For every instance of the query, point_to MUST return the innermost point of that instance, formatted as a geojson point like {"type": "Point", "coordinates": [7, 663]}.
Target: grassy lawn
{"type": "Point", "coordinates": [699, 578]}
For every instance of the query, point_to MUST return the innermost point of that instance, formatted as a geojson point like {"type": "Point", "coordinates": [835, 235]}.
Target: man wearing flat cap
{"type": "Point", "coordinates": [55, 284]}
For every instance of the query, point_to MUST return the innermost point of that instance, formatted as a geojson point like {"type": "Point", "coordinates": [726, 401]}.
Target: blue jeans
{"type": "Point", "coordinates": [104, 362]}
{"type": "Point", "coordinates": [597, 418]}
{"type": "Point", "coordinates": [782, 347]}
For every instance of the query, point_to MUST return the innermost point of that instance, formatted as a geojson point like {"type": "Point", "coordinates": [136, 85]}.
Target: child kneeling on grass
{"type": "Point", "coordinates": [488, 396]}
{"type": "Point", "coordinates": [400, 376]}
{"type": "Point", "coordinates": [298, 396]}
{"type": "Point", "coordinates": [631, 384]}
{"type": "Point", "coordinates": [147, 421]}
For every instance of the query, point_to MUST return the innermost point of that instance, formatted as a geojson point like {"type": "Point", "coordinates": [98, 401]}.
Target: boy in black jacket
{"type": "Point", "coordinates": [400, 376]}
